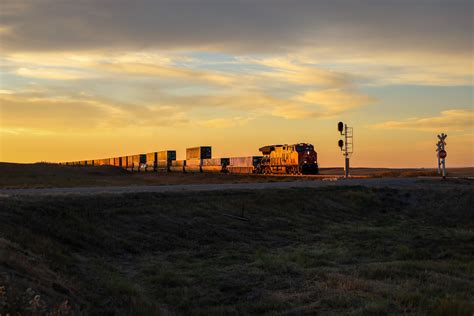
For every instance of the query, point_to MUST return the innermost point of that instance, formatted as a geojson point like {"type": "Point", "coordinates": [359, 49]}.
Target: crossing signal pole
{"type": "Point", "coordinates": [441, 154]}
{"type": "Point", "coordinates": [346, 145]}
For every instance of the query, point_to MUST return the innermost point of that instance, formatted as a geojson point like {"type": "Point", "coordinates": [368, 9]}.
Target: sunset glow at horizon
{"type": "Point", "coordinates": [85, 80]}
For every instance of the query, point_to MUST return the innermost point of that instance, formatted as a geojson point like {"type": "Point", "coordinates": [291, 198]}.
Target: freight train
{"type": "Point", "coordinates": [298, 158]}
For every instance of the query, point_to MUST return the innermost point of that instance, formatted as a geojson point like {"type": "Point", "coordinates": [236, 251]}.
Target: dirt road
{"type": "Point", "coordinates": [377, 182]}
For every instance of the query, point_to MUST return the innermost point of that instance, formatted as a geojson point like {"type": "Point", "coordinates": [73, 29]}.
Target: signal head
{"type": "Point", "coordinates": [340, 127]}
{"type": "Point", "coordinates": [340, 143]}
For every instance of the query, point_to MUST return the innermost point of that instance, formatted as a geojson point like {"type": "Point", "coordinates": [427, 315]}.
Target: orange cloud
{"type": "Point", "coordinates": [449, 120]}
{"type": "Point", "coordinates": [167, 72]}
{"type": "Point", "coordinates": [51, 73]}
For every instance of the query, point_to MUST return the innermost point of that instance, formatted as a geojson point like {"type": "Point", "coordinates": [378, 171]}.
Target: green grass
{"type": "Point", "coordinates": [333, 251]}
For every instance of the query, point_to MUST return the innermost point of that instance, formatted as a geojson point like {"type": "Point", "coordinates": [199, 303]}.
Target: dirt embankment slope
{"type": "Point", "coordinates": [16, 176]}
{"type": "Point", "coordinates": [334, 251]}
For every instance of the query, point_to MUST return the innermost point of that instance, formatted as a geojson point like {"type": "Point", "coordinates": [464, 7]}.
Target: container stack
{"type": "Point", "coordinates": [244, 164]}
{"type": "Point", "coordinates": [117, 161]}
{"type": "Point", "coordinates": [215, 164]}
{"type": "Point", "coordinates": [151, 162]}
{"type": "Point", "coordinates": [165, 158]}
{"type": "Point", "coordinates": [195, 157]}
{"type": "Point", "coordinates": [178, 165]}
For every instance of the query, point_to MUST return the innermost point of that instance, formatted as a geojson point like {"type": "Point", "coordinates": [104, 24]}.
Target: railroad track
{"type": "Point", "coordinates": [370, 182]}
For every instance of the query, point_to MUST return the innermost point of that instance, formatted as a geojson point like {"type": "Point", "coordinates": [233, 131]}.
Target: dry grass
{"type": "Point", "coordinates": [50, 175]}
{"type": "Point", "coordinates": [333, 251]}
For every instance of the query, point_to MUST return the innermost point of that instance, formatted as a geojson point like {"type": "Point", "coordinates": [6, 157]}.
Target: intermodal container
{"type": "Point", "coordinates": [178, 165]}
{"type": "Point", "coordinates": [165, 158]}
{"type": "Point", "coordinates": [202, 152]}
{"type": "Point", "coordinates": [151, 163]}
{"type": "Point", "coordinates": [130, 163]}
{"type": "Point", "coordinates": [123, 161]}
{"type": "Point", "coordinates": [193, 162]}
{"type": "Point", "coordinates": [244, 164]}
{"type": "Point", "coordinates": [193, 165]}
{"type": "Point", "coordinates": [136, 162]}
{"type": "Point", "coordinates": [167, 155]}
{"type": "Point", "coordinates": [215, 165]}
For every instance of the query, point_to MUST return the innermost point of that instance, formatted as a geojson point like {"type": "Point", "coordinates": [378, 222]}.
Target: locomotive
{"type": "Point", "coordinates": [290, 159]}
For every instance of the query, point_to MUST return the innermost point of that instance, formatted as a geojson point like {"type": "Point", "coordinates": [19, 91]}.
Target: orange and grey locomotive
{"type": "Point", "coordinates": [290, 159]}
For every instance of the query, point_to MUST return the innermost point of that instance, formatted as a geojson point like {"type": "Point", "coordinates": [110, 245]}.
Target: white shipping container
{"type": "Point", "coordinates": [193, 162]}
{"type": "Point", "coordinates": [193, 168]}
{"type": "Point", "coordinates": [163, 163]}
{"type": "Point", "coordinates": [250, 161]}
{"type": "Point", "coordinates": [202, 152]}
{"type": "Point", "coordinates": [167, 155]}
{"type": "Point", "coordinates": [178, 163]}
{"type": "Point", "coordinates": [212, 162]}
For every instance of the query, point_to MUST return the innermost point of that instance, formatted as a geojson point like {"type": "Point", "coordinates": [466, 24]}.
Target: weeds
{"type": "Point", "coordinates": [303, 251]}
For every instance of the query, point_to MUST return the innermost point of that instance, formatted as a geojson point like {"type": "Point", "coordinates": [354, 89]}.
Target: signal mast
{"type": "Point", "coordinates": [347, 145]}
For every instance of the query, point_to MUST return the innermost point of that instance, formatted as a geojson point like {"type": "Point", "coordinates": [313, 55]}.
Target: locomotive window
{"type": "Point", "coordinates": [301, 148]}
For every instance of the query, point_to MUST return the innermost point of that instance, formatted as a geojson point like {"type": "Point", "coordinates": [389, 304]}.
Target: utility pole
{"type": "Point", "coordinates": [346, 145]}
{"type": "Point", "coordinates": [441, 154]}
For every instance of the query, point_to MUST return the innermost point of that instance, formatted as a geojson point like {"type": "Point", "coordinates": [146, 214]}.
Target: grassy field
{"type": "Point", "coordinates": [15, 176]}
{"type": "Point", "coordinates": [49, 175]}
{"type": "Point", "coordinates": [333, 251]}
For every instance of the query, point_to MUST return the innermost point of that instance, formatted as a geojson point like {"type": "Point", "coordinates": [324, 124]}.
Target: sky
{"type": "Point", "coordinates": [95, 79]}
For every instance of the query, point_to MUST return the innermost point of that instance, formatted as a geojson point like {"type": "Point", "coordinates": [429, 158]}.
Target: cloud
{"type": "Point", "coordinates": [23, 112]}
{"type": "Point", "coordinates": [290, 70]}
{"type": "Point", "coordinates": [28, 131]}
{"type": "Point", "coordinates": [449, 120]}
{"type": "Point", "coordinates": [60, 66]}
{"type": "Point", "coordinates": [425, 42]}
{"type": "Point", "coordinates": [51, 73]}
{"type": "Point", "coordinates": [141, 69]}
{"type": "Point", "coordinates": [374, 67]}
{"type": "Point", "coordinates": [237, 27]}
{"type": "Point", "coordinates": [284, 88]}
{"type": "Point", "coordinates": [226, 122]}
{"type": "Point", "coordinates": [335, 101]}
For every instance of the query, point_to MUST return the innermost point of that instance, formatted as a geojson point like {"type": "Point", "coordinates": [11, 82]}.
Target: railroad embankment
{"type": "Point", "coordinates": [18, 176]}
{"type": "Point", "coordinates": [333, 251]}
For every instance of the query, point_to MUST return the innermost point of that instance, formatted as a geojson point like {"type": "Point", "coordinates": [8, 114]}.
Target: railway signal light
{"type": "Point", "coordinates": [340, 143]}
{"type": "Point", "coordinates": [340, 127]}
